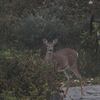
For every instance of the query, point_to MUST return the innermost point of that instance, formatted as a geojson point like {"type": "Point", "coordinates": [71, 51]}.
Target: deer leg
{"type": "Point", "coordinates": [67, 76]}
{"type": "Point", "coordinates": [81, 87]}
{"type": "Point", "coordinates": [77, 74]}
{"type": "Point", "coordinates": [81, 84]}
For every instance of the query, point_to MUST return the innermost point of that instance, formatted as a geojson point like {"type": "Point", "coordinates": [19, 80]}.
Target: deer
{"type": "Point", "coordinates": [65, 59]}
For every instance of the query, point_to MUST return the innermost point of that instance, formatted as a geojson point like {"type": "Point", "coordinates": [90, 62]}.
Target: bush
{"type": "Point", "coordinates": [26, 75]}
{"type": "Point", "coordinates": [7, 95]}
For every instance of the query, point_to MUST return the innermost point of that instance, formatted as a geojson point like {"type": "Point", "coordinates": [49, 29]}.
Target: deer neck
{"type": "Point", "coordinates": [49, 56]}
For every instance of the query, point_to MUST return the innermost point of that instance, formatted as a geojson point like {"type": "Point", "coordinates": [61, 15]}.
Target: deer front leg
{"type": "Point", "coordinates": [63, 89]}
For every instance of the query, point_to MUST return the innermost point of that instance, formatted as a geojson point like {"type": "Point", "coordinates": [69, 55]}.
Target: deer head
{"type": "Point", "coordinates": [50, 45]}
{"type": "Point", "coordinates": [50, 49]}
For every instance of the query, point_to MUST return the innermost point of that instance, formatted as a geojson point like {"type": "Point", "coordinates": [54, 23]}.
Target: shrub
{"type": "Point", "coordinates": [26, 75]}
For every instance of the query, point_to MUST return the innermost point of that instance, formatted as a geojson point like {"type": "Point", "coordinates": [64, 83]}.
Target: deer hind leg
{"type": "Point", "coordinates": [78, 75]}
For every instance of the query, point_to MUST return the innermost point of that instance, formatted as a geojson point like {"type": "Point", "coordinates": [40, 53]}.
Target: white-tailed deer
{"type": "Point", "coordinates": [65, 59]}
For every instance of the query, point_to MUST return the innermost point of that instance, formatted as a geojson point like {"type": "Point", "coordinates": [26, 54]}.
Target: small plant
{"type": "Point", "coordinates": [7, 95]}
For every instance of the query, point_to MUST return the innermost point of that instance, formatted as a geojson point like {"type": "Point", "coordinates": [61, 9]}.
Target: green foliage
{"type": "Point", "coordinates": [25, 74]}
{"type": "Point", "coordinates": [7, 95]}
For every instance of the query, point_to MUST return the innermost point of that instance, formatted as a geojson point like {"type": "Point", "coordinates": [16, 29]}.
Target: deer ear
{"type": "Point", "coordinates": [45, 41]}
{"type": "Point", "coordinates": [55, 41]}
